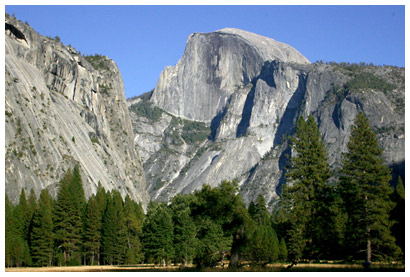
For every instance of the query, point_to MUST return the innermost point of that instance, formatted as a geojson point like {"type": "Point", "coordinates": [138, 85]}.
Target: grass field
{"type": "Point", "coordinates": [269, 268]}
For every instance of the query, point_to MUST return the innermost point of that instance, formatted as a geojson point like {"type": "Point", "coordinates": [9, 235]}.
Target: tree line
{"type": "Point", "coordinates": [348, 215]}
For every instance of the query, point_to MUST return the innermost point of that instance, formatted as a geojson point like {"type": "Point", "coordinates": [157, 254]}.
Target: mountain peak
{"type": "Point", "coordinates": [269, 48]}
{"type": "Point", "coordinates": [212, 67]}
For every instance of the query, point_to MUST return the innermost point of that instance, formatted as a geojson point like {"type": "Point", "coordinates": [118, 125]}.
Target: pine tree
{"type": "Point", "coordinates": [258, 211]}
{"type": "Point", "coordinates": [120, 228]}
{"type": "Point", "coordinates": [9, 231]}
{"type": "Point", "coordinates": [185, 241]}
{"type": "Point", "coordinates": [101, 198]}
{"type": "Point", "coordinates": [42, 236]}
{"type": "Point", "coordinates": [32, 207]}
{"type": "Point", "coordinates": [108, 231]}
{"type": "Point", "coordinates": [134, 229]}
{"type": "Point", "coordinates": [22, 216]}
{"type": "Point", "coordinates": [16, 248]}
{"type": "Point", "coordinates": [262, 244]}
{"type": "Point", "coordinates": [365, 190]}
{"type": "Point", "coordinates": [114, 234]}
{"type": "Point", "coordinates": [92, 229]}
{"type": "Point", "coordinates": [283, 251]}
{"type": "Point", "coordinates": [158, 231]}
{"type": "Point", "coordinates": [22, 219]}
{"type": "Point", "coordinates": [68, 218]}
{"type": "Point", "coordinates": [302, 195]}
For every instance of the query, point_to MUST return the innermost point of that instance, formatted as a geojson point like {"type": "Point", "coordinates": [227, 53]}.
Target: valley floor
{"type": "Point", "coordinates": [270, 268]}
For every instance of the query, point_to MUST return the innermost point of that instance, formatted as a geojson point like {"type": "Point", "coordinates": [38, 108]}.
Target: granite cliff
{"type": "Point", "coordinates": [62, 108]}
{"type": "Point", "coordinates": [212, 67]}
{"type": "Point", "coordinates": [226, 109]}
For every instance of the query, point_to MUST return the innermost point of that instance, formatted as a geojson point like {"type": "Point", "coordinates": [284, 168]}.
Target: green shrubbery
{"type": "Point", "coordinates": [145, 109]}
{"type": "Point", "coordinates": [194, 132]}
{"type": "Point", "coordinates": [366, 80]}
{"type": "Point", "coordinates": [99, 62]}
{"type": "Point", "coordinates": [362, 77]}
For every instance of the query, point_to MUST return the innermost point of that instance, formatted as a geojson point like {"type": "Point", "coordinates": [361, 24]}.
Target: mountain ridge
{"type": "Point", "coordinates": [248, 133]}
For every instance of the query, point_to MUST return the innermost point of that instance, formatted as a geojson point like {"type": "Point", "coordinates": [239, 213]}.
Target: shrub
{"type": "Point", "coordinates": [145, 109]}
{"type": "Point", "coordinates": [98, 62]}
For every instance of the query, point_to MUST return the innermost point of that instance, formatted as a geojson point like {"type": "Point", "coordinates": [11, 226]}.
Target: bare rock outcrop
{"type": "Point", "coordinates": [61, 109]}
{"type": "Point", "coordinates": [250, 91]}
{"type": "Point", "coordinates": [212, 67]}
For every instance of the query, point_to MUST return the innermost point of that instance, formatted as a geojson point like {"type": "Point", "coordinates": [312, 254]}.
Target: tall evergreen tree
{"type": "Point", "coordinates": [16, 247]}
{"type": "Point", "coordinates": [304, 191]}
{"type": "Point", "coordinates": [101, 198]}
{"type": "Point", "coordinates": [283, 251]}
{"type": "Point", "coordinates": [158, 232]}
{"type": "Point", "coordinates": [263, 245]}
{"type": "Point", "coordinates": [9, 231]}
{"type": "Point", "coordinates": [68, 218]}
{"type": "Point", "coordinates": [365, 190]}
{"type": "Point", "coordinates": [185, 241]}
{"type": "Point", "coordinates": [258, 211]}
{"type": "Point", "coordinates": [32, 207]}
{"type": "Point", "coordinates": [108, 231]}
{"type": "Point", "coordinates": [134, 229]}
{"type": "Point", "coordinates": [92, 229]}
{"type": "Point", "coordinates": [42, 236]}
{"type": "Point", "coordinates": [114, 234]}
{"type": "Point", "coordinates": [8, 222]}
{"type": "Point", "coordinates": [22, 216]}
{"type": "Point", "coordinates": [22, 220]}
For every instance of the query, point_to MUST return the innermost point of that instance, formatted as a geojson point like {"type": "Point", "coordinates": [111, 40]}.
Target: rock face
{"type": "Point", "coordinates": [213, 66]}
{"type": "Point", "coordinates": [62, 110]}
{"type": "Point", "coordinates": [249, 91]}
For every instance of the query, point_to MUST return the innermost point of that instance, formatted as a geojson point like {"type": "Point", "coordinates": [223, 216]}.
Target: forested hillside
{"type": "Point", "coordinates": [348, 215]}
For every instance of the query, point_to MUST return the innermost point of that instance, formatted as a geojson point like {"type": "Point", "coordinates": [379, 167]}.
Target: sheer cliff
{"type": "Point", "coordinates": [241, 95]}
{"type": "Point", "coordinates": [62, 109]}
{"type": "Point", "coordinates": [212, 67]}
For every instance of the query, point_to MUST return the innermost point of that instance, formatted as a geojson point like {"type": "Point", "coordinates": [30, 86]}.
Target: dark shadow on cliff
{"type": "Point", "coordinates": [293, 109]}
{"type": "Point", "coordinates": [216, 121]}
{"type": "Point", "coordinates": [266, 75]}
{"type": "Point", "coordinates": [16, 32]}
{"type": "Point", "coordinates": [246, 113]}
{"type": "Point", "coordinates": [283, 164]}
{"type": "Point", "coordinates": [397, 169]}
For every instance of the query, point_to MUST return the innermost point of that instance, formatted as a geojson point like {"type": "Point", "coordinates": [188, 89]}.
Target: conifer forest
{"type": "Point", "coordinates": [350, 214]}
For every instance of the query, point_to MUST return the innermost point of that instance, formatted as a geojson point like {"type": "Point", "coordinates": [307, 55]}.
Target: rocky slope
{"type": "Point", "coordinates": [241, 95]}
{"type": "Point", "coordinates": [62, 108]}
{"type": "Point", "coordinates": [212, 67]}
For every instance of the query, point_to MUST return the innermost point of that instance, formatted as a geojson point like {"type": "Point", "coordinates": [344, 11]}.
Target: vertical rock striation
{"type": "Point", "coordinates": [61, 110]}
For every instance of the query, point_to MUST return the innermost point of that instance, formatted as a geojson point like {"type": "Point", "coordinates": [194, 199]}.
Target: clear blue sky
{"type": "Point", "coordinates": [142, 40]}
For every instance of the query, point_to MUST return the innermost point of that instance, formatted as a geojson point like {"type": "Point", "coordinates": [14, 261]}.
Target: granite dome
{"type": "Point", "coordinates": [214, 65]}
